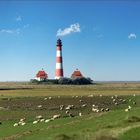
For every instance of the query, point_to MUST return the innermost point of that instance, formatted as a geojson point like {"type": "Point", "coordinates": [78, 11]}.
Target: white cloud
{"type": "Point", "coordinates": [132, 36]}
{"type": "Point", "coordinates": [7, 31]}
{"type": "Point", "coordinates": [11, 31]}
{"type": "Point", "coordinates": [72, 29]}
{"type": "Point", "coordinates": [19, 18]}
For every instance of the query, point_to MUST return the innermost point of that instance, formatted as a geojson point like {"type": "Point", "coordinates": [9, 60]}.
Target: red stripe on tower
{"type": "Point", "coordinates": [59, 61]}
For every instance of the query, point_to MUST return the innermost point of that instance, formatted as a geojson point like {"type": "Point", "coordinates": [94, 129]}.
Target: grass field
{"type": "Point", "coordinates": [23, 100]}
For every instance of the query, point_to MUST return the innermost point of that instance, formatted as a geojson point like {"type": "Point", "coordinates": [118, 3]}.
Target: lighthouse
{"type": "Point", "coordinates": [59, 61]}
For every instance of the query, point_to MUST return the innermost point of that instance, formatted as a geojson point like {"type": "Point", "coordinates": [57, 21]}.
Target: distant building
{"type": "Point", "coordinates": [41, 75]}
{"type": "Point", "coordinates": [76, 74]}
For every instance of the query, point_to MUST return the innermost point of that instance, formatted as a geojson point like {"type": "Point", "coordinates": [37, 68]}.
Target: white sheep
{"type": "Point", "coordinates": [134, 103]}
{"type": "Point", "coordinates": [80, 101]}
{"type": "Point", "coordinates": [102, 109]}
{"type": "Point", "coordinates": [107, 109]}
{"type": "Point", "coordinates": [39, 117]}
{"type": "Point", "coordinates": [42, 120]}
{"type": "Point", "coordinates": [56, 116]}
{"type": "Point", "coordinates": [50, 98]}
{"type": "Point", "coordinates": [48, 120]}
{"type": "Point", "coordinates": [126, 110]}
{"type": "Point", "coordinates": [35, 122]}
{"type": "Point", "coordinates": [23, 123]}
{"type": "Point", "coordinates": [69, 107]}
{"type": "Point", "coordinates": [22, 119]}
{"type": "Point", "coordinates": [61, 107]}
{"type": "Point", "coordinates": [134, 95]}
{"type": "Point", "coordinates": [90, 95]}
{"type": "Point", "coordinates": [16, 124]}
{"type": "Point", "coordinates": [39, 106]}
{"type": "Point", "coordinates": [129, 107]}
{"type": "Point", "coordinates": [71, 115]}
{"type": "Point", "coordinates": [80, 114]}
{"type": "Point", "coordinates": [116, 103]}
{"type": "Point", "coordinates": [84, 105]}
{"type": "Point", "coordinates": [67, 112]}
{"type": "Point", "coordinates": [114, 100]}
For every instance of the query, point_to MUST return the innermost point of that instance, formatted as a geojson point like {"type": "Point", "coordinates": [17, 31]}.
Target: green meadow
{"type": "Point", "coordinates": [23, 100]}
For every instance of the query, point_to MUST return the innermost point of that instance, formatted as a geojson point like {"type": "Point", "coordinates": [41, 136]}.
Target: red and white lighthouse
{"type": "Point", "coordinates": [59, 61]}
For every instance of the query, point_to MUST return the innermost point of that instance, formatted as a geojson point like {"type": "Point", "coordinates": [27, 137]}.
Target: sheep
{"type": "Point", "coordinates": [95, 110]}
{"type": "Point", "coordinates": [39, 106]}
{"type": "Point", "coordinates": [71, 115]}
{"type": "Point", "coordinates": [73, 96]}
{"type": "Point", "coordinates": [69, 107]}
{"type": "Point", "coordinates": [124, 100]}
{"type": "Point", "coordinates": [16, 124]}
{"type": "Point", "coordinates": [120, 100]}
{"type": "Point", "coordinates": [45, 98]}
{"type": "Point", "coordinates": [39, 117]}
{"type": "Point", "coordinates": [90, 95]}
{"type": "Point", "coordinates": [116, 103]}
{"type": "Point", "coordinates": [107, 109]}
{"type": "Point", "coordinates": [80, 114]}
{"type": "Point", "coordinates": [61, 107]}
{"type": "Point", "coordinates": [50, 98]}
{"type": "Point", "coordinates": [134, 103]}
{"type": "Point", "coordinates": [35, 122]}
{"type": "Point", "coordinates": [130, 100]}
{"type": "Point", "coordinates": [84, 105]}
{"type": "Point", "coordinates": [112, 97]}
{"type": "Point", "coordinates": [127, 109]}
{"type": "Point", "coordinates": [42, 120]}
{"type": "Point", "coordinates": [134, 95]}
{"type": "Point", "coordinates": [102, 109]}
{"type": "Point", "coordinates": [23, 123]}
{"type": "Point", "coordinates": [67, 112]}
{"type": "Point", "coordinates": [80, 101]}
{"type": "Point", "coordinates": [56, 116]}
{"type": "Point", "coordinates": [48, 120]}
{"type": "Point", "coordinates": [114, 100]}
{"type": "Point", "coordinates": [20, 123]}
{"type": "Point", "coordinates": [2, 108]}
{"type": "Point", "coordinates": [22, 119]}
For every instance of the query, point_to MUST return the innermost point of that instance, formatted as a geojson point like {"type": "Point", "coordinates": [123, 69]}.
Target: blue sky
{"type": "Point", "coordinates": [102, 39]}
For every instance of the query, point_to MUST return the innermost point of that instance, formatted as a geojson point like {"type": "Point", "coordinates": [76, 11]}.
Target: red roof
{"type": "Point", "coordinates": [42, 74]}
{"type": "Point", "coordinates": [76, 74]}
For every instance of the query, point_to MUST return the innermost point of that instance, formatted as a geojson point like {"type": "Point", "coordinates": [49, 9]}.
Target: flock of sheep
{"type": "Point", "coordinates": [67, 108]}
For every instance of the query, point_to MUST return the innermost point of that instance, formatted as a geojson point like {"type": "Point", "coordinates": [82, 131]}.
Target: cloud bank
{"type": "Point", "coordinates": [73, 28]}
{"type": "Point", "coordinates": [132, 36]}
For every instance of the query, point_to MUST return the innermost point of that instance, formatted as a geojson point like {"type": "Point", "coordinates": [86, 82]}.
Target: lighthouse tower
{"type": "Point", "coordinates": [59, 62]}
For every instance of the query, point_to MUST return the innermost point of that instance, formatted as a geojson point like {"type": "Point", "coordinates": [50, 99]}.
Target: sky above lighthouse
{"type": "Point", "coordinates": [100, 38]}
